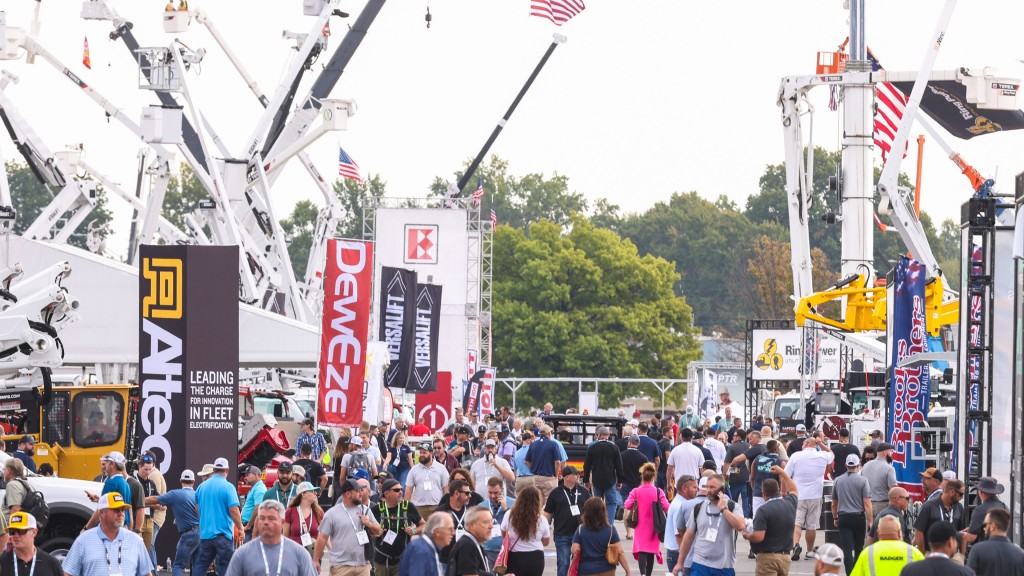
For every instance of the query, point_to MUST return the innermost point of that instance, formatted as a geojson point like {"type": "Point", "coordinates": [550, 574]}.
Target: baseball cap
{"type": "Point", "coordinates": [115, 457]}
{"type": "Point", "coordinates": [22, 521]}
{"type": "Point", "coordinates": [830, 554]}
{"type": "Point", "coordinates": [545, 430]}
{"type": "Point", "coordinates": [689, 409]}
{"type": "Point", "coordinates": [284, 467]}
{"type": "Point", "coordinates": [490, 442]}
{"type": "Point", "coordinates": [305, 487]}
{"type": "Point", "coordinates": [383, 475]}
{"type": "Point", "coordinates": [570, 469]}
{"type": "Point", "coordinates": [875, 433]}
{"type": "Point", "coordinates": [933, 473]}
{"type": "Point", "coordinates": [883, 446]}
{"type": "Point", "coordinates": [27, 438]}
{"type": "Point", "coordinates": [220, 464]}
{"type": "Point", "coordinates": [988, 485]}
{"type": "Point", "coordinates": [949, 475]}
{"type": "Point", "coordinates": [389, 484]}
{"type": "Point", "coordinates": [188, 475]}
{"type": "Point", "coordinates": [112, 501]}
{"type": "Point", "coordinates": [801, 428]}
{"type": "Point", "coordinates": [636, 413]}
{"type": "Point", "coordinates": [348, 486]}
{"type": "Point", "coordinates": [634, 422]}
{"type": "Point", "coordinates": [940, 532]}
{"type": "Point", "coordinates": [702, 484]}
{"type": "Point", "coordinates": [206, 471]}
{"type": "Point", "coordinates": [426, 446]}
{"type": "Point", "coordinates": [358, 474]}
{"type": "Point", "coordinates": [296, 469]}
{"type": "Point", "coordinates": [852, 461]}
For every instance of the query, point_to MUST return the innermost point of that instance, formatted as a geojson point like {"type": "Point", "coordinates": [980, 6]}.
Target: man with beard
{"type": "Point", "coordinates": [284, 489]}
{"type": "Point", "coordinates": [95, 550]}
{"type": "Point", "coordinates": [443, 457]}
{"type": "Point", "coordinates": [426, 481]}
{"type": "Point", "coordinates": [881, 475]}
{"type": "Point", "coordinates": [462, 448]}
{"type": "Point", "coordinates": [459, 493]}
{"type": "Point", "coordinates": [490, 465]}
{"type": "Point", "coordinates": [271, 553]}
{"type": "Point", "coordinates": [349, 526]}
{"type": "Point", "coordinates": [499, 505]}
{"type": "Point", "coordinates": [26, 449]}
{"type": "Point", "coordinates": [398, 520]}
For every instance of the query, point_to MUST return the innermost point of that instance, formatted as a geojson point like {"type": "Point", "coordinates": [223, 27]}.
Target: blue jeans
{"type": "Point", "coordinates": [186, 552]}
{"type": "Point", "coordinates": [220, 548]}
{"type": "Point", "coordinates": [563, 553]}
{"type": "Point", "coordinates": [671, 558]}
{"type": "Point", "coordinates": [612, 501]}
{"type": "Point", "coordinates": [740, 493]}
{"type": "Point", "coordinates": [702, 570]}
{"type": "Point", "coordinates": [152, 549]}
{"type": "Point", "coordinates": [402, 475]}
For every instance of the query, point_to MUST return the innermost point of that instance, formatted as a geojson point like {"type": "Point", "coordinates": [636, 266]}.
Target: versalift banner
{"type": "Point", "coordinates": [188, 358]}
{"type": "Point", "coordinates": [398, 322]}
{"type": "Point", "coordinates": [946, 102]}
{"type": "Point", "coordinates": [348, 284]}
{"type": "Point", "coordinates": [909, 391]}
{"type": "Point", "coordinates": [428, 325]}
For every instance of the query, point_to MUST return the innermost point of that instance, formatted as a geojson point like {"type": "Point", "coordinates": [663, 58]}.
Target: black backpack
{"type": "Point", "coordinates": [35, 504]}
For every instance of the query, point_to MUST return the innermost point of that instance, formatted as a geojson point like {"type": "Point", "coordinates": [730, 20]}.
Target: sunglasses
{"type": "Point", "coordinates": [147, 459]}
{"type": "Point", "coordinates": [465, 492]}
{"type": "Point", "coordinates": [17, 532]}
{"type": "Point", "coordinates": [395, 490]}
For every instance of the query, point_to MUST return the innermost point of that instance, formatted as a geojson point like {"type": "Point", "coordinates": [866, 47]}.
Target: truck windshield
{"type": "Point", "coordinates": [786, 408]}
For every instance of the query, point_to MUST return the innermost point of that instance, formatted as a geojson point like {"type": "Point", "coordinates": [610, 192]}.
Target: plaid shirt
{"type": "Point", "coordinates": [316, 440]}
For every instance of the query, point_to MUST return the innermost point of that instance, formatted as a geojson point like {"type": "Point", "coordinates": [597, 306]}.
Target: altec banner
{"type": "Point", "coordinates": [398, 322]}
{"type": "Point", "coordinates": [348, 284]}
{"type": "Point", "coordinates": [436, 407]}
{"type": "Point", "coordinates": [428, 325]}
{"type": "Point", "coordinates": [909, 392]}
{"type": "Point", "coordinates": [487, 391]}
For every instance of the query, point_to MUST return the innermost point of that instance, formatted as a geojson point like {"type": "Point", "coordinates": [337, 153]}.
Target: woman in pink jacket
{"type": "Point", "coordinates": [646, 544]}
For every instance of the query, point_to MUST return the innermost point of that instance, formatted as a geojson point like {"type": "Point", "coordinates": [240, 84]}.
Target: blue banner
{"type": "Point", "coordinates": [909, 386]}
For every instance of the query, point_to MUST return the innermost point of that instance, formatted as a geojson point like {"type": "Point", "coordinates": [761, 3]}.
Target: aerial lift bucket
{"type": "Point", "coordinates": [831, 63]}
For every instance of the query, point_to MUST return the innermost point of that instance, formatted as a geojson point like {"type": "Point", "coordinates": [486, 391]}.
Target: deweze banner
{"type": "Point", "coordinates": [428, 326]}
{"type": "Point", "coordinates": [348, 285]}
{"type": "Point", "coordinates": [436, 407]}
{"type": "Point", "coordinates": [398, 322]}
{"type": "Point", "coordinates": [188, 358]}
{"type": "Point", "coordinates": [909, 389]}
{"type": "Point", "coordinates": [946, 102]}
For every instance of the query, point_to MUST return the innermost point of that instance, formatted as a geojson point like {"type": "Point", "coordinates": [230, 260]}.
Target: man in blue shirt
{"type": "Point", "coordinates": [310, 436]}
{"type": "Point", "coordinates": [182, 503]}
{"type": "Point", "coordinates": [218, 511]}
{"type": "Point", "coordinates": [253, 476]}
{"type": "Point", "coordinates": [544, 460]}
{"type": "Point", "coordinates": [113, 465]}
{"type": "Point", "coordinates": [499, 505]}
{"type": "Point", "coordinates": [109, 548]}
{"type": "Point", "coordinates": [648, 446]}
{"type": "Point", "coordinates": [26, 448]}
{"type": "Point", "coordinates": [524, 477]}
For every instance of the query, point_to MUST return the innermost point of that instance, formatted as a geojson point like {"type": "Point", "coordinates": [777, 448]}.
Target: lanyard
{"type": "Point", "coordinates": [942, 516]}
{"type": "Point", "coordinates": [287, 497]}
{"type": "Point", "coordinates": [479, 550]}
{"type": "Point", "coordinates": [351, 521]}
{"type": "Point", "coordinates": [576, 496]}
{"type": "Point", "coordinates": [458, 524]}
{"type": "Point", "coordinates": [437, 559]}
{"type": "Point", "coordinates": [280, 558]}
{"type": "Point", "coordinates": [494, 515]}
{"type": "Point", "coordinates": [31, 570]}
{"type": "Point", "coordinates": [302, 523]}
{"type": "Point", "coordinates": [717, 517]}
{"type": "Point", "coordinates": [106, 554]}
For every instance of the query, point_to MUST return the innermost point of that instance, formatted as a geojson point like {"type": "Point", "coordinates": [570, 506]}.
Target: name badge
{"type": "Point", "coordinates": [389, 538]}
{"type": "Point", "coordinates": [306, 539]}
{"type": "Point", "coordinates": [361, 537]}
{"type": "Point", "coordinates": [115, 574]}
{"type": "Point", "coordinates": [495, 531]}
{"type": "Point", "coordinates": [148, 511]}
{"type": "Point", "coordinates": [459, 534]}
{"type": "Point", "coordinates": [711, 535]}
{"type": "Point", "coordinates": [427, 485]}
{"type": "Point", "coordinates": [574, 510]}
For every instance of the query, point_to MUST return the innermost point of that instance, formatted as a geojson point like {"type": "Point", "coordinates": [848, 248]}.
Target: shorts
{"type": "Point", "coordinates": [808, 514]}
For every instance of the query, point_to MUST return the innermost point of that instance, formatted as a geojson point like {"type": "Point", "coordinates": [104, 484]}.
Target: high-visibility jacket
{"type": "Point", "coordinates": [885, 558]}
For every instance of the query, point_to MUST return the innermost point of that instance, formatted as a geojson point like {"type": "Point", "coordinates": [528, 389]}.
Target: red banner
{"type": "Point", "coordinates": [436, 407]}
{"type": "Point", "coordinates": [348, 279]}
{"type": "Point", "coordinates": [487, 392]}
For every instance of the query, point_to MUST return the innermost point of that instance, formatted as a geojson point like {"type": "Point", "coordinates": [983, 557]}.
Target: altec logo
{"type": "Point", "coordinates": [421, 243]}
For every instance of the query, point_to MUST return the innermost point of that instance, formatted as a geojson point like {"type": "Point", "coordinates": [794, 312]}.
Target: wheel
{"type": "Point", "coordinates": [57, 547]}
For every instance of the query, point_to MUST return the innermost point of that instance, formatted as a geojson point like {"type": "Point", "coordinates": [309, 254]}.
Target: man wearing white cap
{"type": "Point", "coordinates": [23, 557]}
{"type": "Point", "coordinates": [220, 522]}
{"type": "Point", "coordinates": [829, 561]}
{"type": "Point", "coordinates": [113, 466]}
{"type": "Point", "coordinates": [182, 503]}
{"type": "Point", "coordinates": [108, 548]}
{"type": "Point", "coordinates": [490, 466]}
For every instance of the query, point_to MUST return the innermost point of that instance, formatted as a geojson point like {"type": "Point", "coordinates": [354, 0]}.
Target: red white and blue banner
{"type": "Point", "coordinates": [909, 389]}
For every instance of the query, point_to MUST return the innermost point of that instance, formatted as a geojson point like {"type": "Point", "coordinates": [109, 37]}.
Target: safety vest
{"type": "Point", "coordinates": [885, 558]}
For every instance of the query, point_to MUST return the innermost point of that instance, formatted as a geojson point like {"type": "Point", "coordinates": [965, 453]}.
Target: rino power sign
{"type": "Point", "coordinates": [188, 355]}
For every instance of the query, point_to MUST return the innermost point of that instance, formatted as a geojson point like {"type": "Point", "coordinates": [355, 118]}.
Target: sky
{"type": "Point", "coordinates": [645, 99]}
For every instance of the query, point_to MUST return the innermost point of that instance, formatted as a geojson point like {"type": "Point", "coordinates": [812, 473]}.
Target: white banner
{"type": "Point", "coordinates": [709, 396]}
{"type": "Point", "coordinates": [377, 359]}
{"type": "Point", "coordinates": [776, 355]}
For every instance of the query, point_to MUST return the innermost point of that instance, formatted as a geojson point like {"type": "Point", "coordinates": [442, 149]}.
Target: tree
{"type": "Point", "coordinates": [183, 195]}
{"type": "Point", "coordinates": [30, 196]}
{"type": "Point", "coordinates": [300, 226]}
{"type": "Point", "coordinates": [351, 194]}
{"type": "Point", "coordinates": [581, 301]}
{"type": "Point", "coordinates": [519, 202]}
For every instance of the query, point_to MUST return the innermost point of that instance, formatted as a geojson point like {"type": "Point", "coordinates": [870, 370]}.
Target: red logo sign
{"type": "Point", "coordinates": [436, 407]}
{"type": "Point", "coordinates": [421, 243]}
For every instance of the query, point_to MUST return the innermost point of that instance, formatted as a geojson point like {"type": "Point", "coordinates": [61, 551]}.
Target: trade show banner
{"type": "Point", "coordinates": [777, 354]}
{"type": "Point", "coordinates": [188, 359]}
{"type": "Point", "coordinates": [397, 322]}
{"type": "Point", "coordinates": [487, 391]}
{"type": "Point", "coordinates": [428, 324]}
{"type": "Point", "coordinates": [709, 396]}
{"type": "Point", "coordinates": [909, 392]}
{"type": "Point", "coordinates": [471, 396]}
{"type": "Point", "coordinates": [348, 280]}
{"type": "Point", "coordinates": [436, 407]}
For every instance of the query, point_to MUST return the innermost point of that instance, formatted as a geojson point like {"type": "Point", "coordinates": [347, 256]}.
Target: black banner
{"type": "Point", "coordinates": [188, 360]}
{"type": "Point", "coordinates": [946, 102]}
{"type": "Point", "coordinates": [428, 325]}
{"type": "Point", "coordinates": [398, 322]}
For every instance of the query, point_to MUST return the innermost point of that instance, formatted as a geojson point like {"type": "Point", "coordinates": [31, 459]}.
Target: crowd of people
{"type": "Point", "coordinates": [480, 498]}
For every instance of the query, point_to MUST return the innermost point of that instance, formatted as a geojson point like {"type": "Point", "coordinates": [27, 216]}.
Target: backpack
{"type": "Point", "coordinates": [359, 461]}
{"type": "Point", "coordinates": [35, 504]}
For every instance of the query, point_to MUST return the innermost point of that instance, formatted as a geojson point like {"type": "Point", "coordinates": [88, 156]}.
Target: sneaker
{"type": "Point", "coordinates": [811, 554]}
{"type": "Point", "coordinates": [796, 552]}
{"type": "Point", "coordinates": [751, 555]}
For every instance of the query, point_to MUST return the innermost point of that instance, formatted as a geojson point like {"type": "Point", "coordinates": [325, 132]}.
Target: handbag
{"type": "Point", "coordinates": [659, 518]}
{"type": "Point", "coordinates": [574, 564]}
{"type": "Point", "coordinates": [632, 516]}
{"type": "Point", "coordinates": [501, 562]}
{"type": "Point", "coordinates": [611, 552]}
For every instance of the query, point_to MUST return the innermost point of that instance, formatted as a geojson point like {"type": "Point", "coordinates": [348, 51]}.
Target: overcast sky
{"type": "Point", "coordinates": [646, 98]}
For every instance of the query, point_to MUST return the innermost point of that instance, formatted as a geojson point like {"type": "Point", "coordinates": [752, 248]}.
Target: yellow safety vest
{"type": "Point", "coordinates": [885, 558]}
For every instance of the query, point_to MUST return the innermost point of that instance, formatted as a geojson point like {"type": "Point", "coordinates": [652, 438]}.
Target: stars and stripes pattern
{"type": "Point", "coordinates": [494, 218]}
{"type": "Point", "coordinates": [478, 194]}
{"type": "Point", "coordinates": [558, 11]}
{"type": "Point", "coordinates": [891, 104]}
{"type": "Point", "coordinates": [347, 167]}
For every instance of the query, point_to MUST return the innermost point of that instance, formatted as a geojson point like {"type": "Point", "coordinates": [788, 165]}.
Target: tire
{"type": "Point", "coordinates": [57, 547]}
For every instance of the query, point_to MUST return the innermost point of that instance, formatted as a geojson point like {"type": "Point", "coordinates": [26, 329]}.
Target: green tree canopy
{"type": "Point", "coordinates": [579, 300]}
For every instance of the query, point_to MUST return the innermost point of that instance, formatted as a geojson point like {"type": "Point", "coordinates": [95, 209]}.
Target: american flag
{"type": "Point", "coordinates": [891, 103]}
{"type": "Point", "coordinates": [494, 219]}
{"type": "Point", "coordinates": [558, 11]}
{"type": "Point", "coordinates": [478, 194]}
{"type": "Point", "coordinates": [347, 167]}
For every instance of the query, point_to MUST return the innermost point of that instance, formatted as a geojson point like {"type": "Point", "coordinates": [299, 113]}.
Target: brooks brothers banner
{"type": "Point", "coordinates": [348, 279]}
{"type": "Point", "coordinates": [397, 322]}
{"type": "Point", "coordinates": [188, 358]}
{"type": "Point", "coordinates": [428, 324]}
{"type": "Point", "coordinates": [908, 396]}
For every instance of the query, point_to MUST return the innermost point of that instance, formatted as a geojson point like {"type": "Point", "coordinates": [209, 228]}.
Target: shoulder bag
{"type": "Point", "coordinates": [611, 553]}
{"type": "Point", "coordinates": [659, 517]}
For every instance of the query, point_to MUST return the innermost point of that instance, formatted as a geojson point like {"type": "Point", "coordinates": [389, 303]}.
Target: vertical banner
{"type": "Point", "coordinates": [470, 364]}
{"type": "Point", "coordinates": [909, 393]}
{"type": "Point", "coordinates": [397, 322]}
{"type": "Point", "coordinates": [709, 396]}
{"type": "Point", "coordinates": [373, 384]}
{"type": "Point", "coordinates": [471, 396]}
{"type": "Point", "coordinates": [428, 324]}
{"type": "Point", "coordinates": [436, 407]}
{"type": "Point", "coordinates": [348, 279]}
{"type": "Point", "coordinates": [188, 358]}
{"type": "Point", "coordinates": [487, 391]}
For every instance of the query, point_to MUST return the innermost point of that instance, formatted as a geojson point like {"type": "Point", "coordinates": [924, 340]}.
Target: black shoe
{"type": "Point", "coordinates": [796, 552]}
{"type": "Point", "coordinates": [751, 555]}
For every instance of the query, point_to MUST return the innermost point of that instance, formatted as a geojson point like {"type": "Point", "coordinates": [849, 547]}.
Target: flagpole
{"type": "Point", "coordinates": [558, 39]}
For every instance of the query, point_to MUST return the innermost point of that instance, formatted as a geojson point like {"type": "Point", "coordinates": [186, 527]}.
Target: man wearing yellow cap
{"type": "Point", "coordinates": [23, 558]}
{"type": "Point", "coordinates": [109, 549]}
